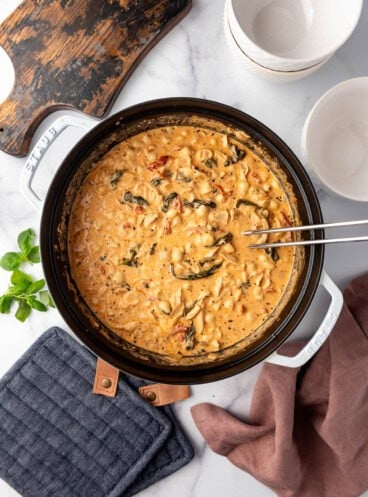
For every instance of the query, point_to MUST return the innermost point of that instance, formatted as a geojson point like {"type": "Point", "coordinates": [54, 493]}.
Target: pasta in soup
{"type": "Point", "coordinates": [155, 243]}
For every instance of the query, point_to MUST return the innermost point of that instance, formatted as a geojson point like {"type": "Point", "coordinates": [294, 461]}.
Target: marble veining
{"type": "Point", "coordinates": [194, 60]}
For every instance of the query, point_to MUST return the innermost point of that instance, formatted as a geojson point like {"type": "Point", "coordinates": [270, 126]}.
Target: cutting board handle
{"type": "Point", "coordinates": [75, 54]}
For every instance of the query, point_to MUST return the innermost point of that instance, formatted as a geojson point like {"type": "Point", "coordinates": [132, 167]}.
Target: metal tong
{"type": "Point", "coordinates": [306, 228]}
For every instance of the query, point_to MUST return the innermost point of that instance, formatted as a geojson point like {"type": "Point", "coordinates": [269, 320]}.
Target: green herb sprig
{"type": "Point", "coordinates": [28, 252]}
{"type": "Point", "coordinates": [23, 289]}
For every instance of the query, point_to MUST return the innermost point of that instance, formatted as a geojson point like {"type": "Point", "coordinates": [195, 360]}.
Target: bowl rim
{"type": "Point", "coordinates": [305, 71]}
{"type": "Point", "coordinates": [281, 59]}
{"type": "Point", "coordinates": [305, 139]}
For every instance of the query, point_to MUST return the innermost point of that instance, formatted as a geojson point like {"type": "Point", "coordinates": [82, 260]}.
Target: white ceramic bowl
{"type": "Point", "coordinates": [260, 71]}
{"type": "Point", "coordinates": [335, 139]}
{"type": "Point", "coordinates": [289, 35]}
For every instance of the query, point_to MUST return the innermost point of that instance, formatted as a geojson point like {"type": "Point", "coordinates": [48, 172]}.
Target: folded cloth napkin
{"type": "Point", "coordinates": [58, 439]}
{"type": "Point", "coordinates": [307, 432]}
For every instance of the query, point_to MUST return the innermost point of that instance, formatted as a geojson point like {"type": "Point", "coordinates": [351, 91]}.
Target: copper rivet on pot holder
{"type": "Point", "coordinates": [151, 396]}
{"type": "Point", "coordinates": [106, 383]}
{"type": "Point", "coordinates": [106, 379]}
{"type": "Point", "coordinates": [160, 394]}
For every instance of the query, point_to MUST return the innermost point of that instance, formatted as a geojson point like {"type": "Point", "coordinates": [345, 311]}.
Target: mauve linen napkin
{"type": "Point", "coordinates": [307, 432]}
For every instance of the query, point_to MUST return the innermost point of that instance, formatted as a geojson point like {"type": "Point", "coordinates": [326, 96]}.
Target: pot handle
{"type": "Point", "coordinates": [43, 144]}
{"type": "Point", "coordinates": [321, 335]}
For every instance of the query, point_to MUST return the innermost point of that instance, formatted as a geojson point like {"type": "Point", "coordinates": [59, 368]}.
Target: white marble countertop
{"type": "Point", "coordinates": [194, 60]}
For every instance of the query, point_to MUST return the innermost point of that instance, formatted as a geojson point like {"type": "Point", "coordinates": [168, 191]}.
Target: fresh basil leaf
{"type": "Point", "coordinates": [19, 288]}
{"type": "Point", "coordinates": [20, 277]}
{"type": "Point", "coordinates": [5, 304]}
{"type": "Point", "coordinates": [26, 240]}
{"type": "Point", "coordinates": [35, 287]}
{"type": "Point", "coordinates": [10, 261]}
{"type": "Point", "coordinates": [45, 298]}
{"type": "Point", "coordinates": [23, 311]}
{"type": "Point", "coordinates": [34, 255]}
{"type": "Point", "coordinates": [23, 288]}
{"type": "Point", "coordinates": [36, 304]}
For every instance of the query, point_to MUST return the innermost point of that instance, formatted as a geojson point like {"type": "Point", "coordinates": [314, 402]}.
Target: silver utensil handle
{"type": "Point", "coordinates": [321, 335]}
{"type": "Point", "coordinates": [306, 227]}
{"type": "Point", "coordinates": [43, 144]}
{"type": "Point", "coordinates": [325, 241]}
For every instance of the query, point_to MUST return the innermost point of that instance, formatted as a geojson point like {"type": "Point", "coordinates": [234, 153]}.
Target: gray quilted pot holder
{"type": "Point", "coordinates": [57, 439]}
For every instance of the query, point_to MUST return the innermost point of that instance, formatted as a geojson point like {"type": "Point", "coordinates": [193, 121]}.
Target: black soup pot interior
{"type": "Point", "coordinates": [85, 324]}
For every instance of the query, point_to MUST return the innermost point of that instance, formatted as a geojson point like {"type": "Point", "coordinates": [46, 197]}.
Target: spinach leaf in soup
{"type": "Point", "coordinates": [168, 200]}
{"type": "Point", "coordinates": [115, 177]}
{"type": "Point", "coordinates": [132, 260]}
{"type": "Point", "coordinates": [190, 337]}
{"type": "Point", "coordinates": [131, 199]}
{"type": "Point", "coordinates": [244, 201]}
{"type": "Point", "coordinates": [197, 202]}
{"type": "Point", "coordinates": [211, 162]}
{"type": "Point", "coordinates": [223, 240]}
{"type": "Point", "coordinates": [237, 154]}
{"type": "Point", "coordinates": [272, 252]}
{"type": "Point", "coordinates": [156, 182]}
{"type": "Point", "coordinates": [196, 276]}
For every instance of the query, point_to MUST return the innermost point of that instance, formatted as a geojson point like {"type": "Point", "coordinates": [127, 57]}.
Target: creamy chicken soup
{"type": "Point", "coordinates": [155, 243]}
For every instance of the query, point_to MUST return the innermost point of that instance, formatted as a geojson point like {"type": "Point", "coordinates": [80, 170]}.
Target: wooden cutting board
{"type": "Point", "coordinates": [75, 54]}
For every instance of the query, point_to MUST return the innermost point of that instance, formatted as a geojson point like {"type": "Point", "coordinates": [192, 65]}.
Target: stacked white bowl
{"type": "Point", "coordinates": [289, 39]}
{"type": "Point", "coordinates": [335, 139]}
